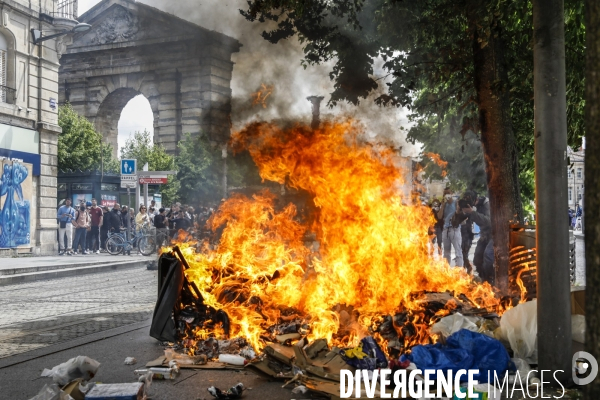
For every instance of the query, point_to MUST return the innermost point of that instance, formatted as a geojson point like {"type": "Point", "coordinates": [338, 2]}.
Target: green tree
{"type": "Point", "coordinates": [200, 167]}
{"type": "Point", "coordinates": [464, 155]}
{"type": "Point", "coordinates": [140, 147]}
{"type": "Point", "coordinates": [447, 57]}
{"type": "Point", "coordinates": [80, 146]}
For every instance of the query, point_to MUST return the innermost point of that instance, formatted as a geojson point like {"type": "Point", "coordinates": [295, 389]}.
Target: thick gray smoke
{"type": "Point", "coordinates": [278, 66]}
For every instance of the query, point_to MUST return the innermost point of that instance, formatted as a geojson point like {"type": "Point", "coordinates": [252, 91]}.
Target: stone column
{"type": "Point", "coordinates": [45, 240]}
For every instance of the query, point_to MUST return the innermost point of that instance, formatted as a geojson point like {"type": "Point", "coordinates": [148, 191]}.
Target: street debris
{"type": "Point", "coordinates": [518, 326]}
{"type": "Point", "coordinates": [130, 361]}
{"type": "Point", "coordinates": [51, 392]}
{"type": "Point", "coordinates": [232, 359]}
{"type": "Point", "coordinates": [121, 391]}
{"type": "Point", "coordinates": [233, 393]}
{"type": "Point", "coordinates": [463, 350]}
{"type": "Point", "coordinates": [159, 373]}
{"type": "Point", "coordinates": [78, 367]}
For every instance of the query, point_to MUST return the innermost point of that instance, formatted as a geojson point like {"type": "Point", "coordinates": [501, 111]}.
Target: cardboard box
{"type": "Point", "coordinates": [116, 391]}
{"type": "Point", "coordinates": [578, 300]}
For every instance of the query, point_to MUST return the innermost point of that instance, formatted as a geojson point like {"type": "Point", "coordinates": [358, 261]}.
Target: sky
{"type": "Point", "coordinates": [278, 66]}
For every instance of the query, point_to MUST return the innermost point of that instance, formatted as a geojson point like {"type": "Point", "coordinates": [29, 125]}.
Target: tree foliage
{"type": "Point", "coordinates": [80, 146]}
{"type": "Point", "coordinates": [200, 167]}
{"type": "Point", "coordinates": [427, 47]}
{"type": "Point", "coordinates": [140, 147]}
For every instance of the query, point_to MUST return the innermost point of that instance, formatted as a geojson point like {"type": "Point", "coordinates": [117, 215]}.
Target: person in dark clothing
{"type": "Point", "coordinates": [104, 228]}
{"type": "Point", "coordinates": [160, 219]}
{"type": "Point", "coordinates": [438, 226]}
{"type": "Point", "coordinates": [124, 214]}
{"type": "Point", "coordinates": [478, 210]}
{"type": "Point", "coordinates": [114, 220]}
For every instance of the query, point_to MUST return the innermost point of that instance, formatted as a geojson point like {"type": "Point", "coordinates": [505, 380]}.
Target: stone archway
{"type": "Point", "coordinates": [182, 69]}
{"type": "Point", "coordinates": [109, 112]}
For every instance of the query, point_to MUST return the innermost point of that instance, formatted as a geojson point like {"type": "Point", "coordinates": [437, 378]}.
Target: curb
{"type": "Point", "coordinates": [50, 267]}
{"type": "Point", "coordinates": [66, 272]}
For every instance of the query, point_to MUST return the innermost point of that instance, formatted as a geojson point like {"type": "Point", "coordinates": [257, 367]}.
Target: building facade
{"type": "Point", "coordinates": [29, 122]}
{"type": "Point", "coordinates": [575, 176]}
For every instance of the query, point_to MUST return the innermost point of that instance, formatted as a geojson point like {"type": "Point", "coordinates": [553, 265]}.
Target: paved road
{"type": "Point", "coordinates": [40, 314]}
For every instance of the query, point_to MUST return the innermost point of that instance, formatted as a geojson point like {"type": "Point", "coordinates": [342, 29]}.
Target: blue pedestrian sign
{"type": "Point", "coordinates": [128, 167]}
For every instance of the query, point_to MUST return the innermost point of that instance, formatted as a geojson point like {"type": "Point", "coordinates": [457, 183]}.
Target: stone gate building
{"type": "Point", "coordinates": [182, 69]}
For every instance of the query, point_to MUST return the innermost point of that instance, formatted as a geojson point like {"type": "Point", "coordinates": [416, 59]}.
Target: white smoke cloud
{"type": "Point", "coordinates": [260, 62]}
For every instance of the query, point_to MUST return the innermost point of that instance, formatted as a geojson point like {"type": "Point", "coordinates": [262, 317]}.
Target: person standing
{"type": "Point", "coordinates": [451, 235]}
{"type": "Point", "coordinates": [104, 228]}
{"type": "Point", "coordinates": [65, 216]}
{"type": "Point", "coordinates": [438, 226]}
{"type": "Point", "coordinates": [97, 218]}
{"type": "Point", "coordinates": [142, 218]}
{"type": "Point", "coordinates": [480, 214]}
{"type": "Point", "coordinates": [81, 224]}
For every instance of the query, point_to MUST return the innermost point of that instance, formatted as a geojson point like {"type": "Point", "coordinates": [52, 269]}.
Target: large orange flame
{"type": "Point", "coordinates": [373, 243]}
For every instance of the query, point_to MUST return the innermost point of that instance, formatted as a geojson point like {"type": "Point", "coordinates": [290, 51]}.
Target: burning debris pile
{"type": "Point", "coordinates": [262, 284]}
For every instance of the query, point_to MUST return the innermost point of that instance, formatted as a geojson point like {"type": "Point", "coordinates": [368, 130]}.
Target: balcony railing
{"type": "Point", "coordinates": [65, 9]}
{"type": "Point", "coordinates": [8, 95]}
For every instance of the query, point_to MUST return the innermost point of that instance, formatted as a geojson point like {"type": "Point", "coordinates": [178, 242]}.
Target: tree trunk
{"type": "Point", "coordinates": [497, 137]}
{"type": "Point", "coordinates": [592, 187]}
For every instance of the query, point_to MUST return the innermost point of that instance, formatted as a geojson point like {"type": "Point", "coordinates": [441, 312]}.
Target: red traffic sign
{"type": "Point", "coordinates": [153, 180]}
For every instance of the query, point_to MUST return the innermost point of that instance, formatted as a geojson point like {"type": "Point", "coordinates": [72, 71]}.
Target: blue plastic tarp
{"type": "Point", "coordinates": [463, 350]}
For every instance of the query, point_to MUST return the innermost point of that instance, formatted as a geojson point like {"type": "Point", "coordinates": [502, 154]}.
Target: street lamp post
{"type": "Point", "coordinates": [38, 38]}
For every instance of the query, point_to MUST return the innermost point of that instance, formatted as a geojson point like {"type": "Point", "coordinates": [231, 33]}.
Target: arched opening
{"type": "Point", "coordinates": [136, 116]}
{"type": "Point", "coordinates": [116, 107]}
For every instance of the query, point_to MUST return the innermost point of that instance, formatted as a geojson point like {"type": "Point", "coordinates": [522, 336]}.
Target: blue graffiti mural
{"type": "Point", "coordinates": [15, 214]}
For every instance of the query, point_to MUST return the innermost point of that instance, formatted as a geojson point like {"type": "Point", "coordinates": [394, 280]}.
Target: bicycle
{"type": "Point", "coordinates": [144, 241]}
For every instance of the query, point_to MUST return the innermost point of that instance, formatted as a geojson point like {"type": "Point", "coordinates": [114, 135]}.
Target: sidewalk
{"type": "Point", "coordinates": [27, 269]}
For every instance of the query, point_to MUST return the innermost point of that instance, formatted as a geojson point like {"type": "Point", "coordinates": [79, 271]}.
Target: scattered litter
{"type": "Point", "coordinates": [130, 361]}
{"type": "Point", "coordinates": [367, 356]}
{"type": "Point", "coordinates": [463, 350]}
{"type": "Point", "coordinates": [300, 389]}
{"type": "Point", "coordinates": [160, 373]}
{"type": "Point", "coordinates": [518, 326]}
{"type": "Point", "coordinates": [51, 392]}
{"type": "Point", "coordinates": [113, 391]}
{"type": "Point", "coordinates": [185, 359]}
{"type": "Point", "coordinates": [233, 393]}
{"type": "Point", "coordinates": [78, 367]}
{"type": "Point", "coordinates": [454, 323]}
{"type": "Point", "coordinates": [578, 328]}
{"type": "Point", "coordinates": [232, 359]}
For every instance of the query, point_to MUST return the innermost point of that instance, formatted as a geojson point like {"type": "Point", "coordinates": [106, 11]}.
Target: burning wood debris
{"type": "Point", "coordinates": [359, 296]}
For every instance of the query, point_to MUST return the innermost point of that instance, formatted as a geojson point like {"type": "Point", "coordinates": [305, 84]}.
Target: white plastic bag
{"type": "Point", "coordinates": [78, 367]}
{"type": "Point", "coordinates": [454, 323]}
{"type": "Point", "coordinates": [518, 326]}
{"type": "Point", "coordinates": [130, 361]}
{"type": "Point", "coordinates": [578, 328]}
{"type": "Point", "coordinates": [51, 392]}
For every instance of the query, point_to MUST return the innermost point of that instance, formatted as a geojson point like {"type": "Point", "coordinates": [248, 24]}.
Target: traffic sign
{"type": "Point", "coordinates": [128, 167]}
{"type": "Point", "coordinates": [152, 179]}
{"type": "Point", "coordinates": [127, 184]}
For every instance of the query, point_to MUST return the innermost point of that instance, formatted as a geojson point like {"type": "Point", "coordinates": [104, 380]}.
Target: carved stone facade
{"type": "Point", "coordinates": [182, 69]}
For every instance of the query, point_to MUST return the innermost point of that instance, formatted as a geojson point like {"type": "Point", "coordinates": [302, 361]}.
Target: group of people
{"type": "Point", "coordinates": [454, 229]}
{"type": "Point", "coordinates": [84, 229]}
{"type": "Point", "coordinates": [90, 225]}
